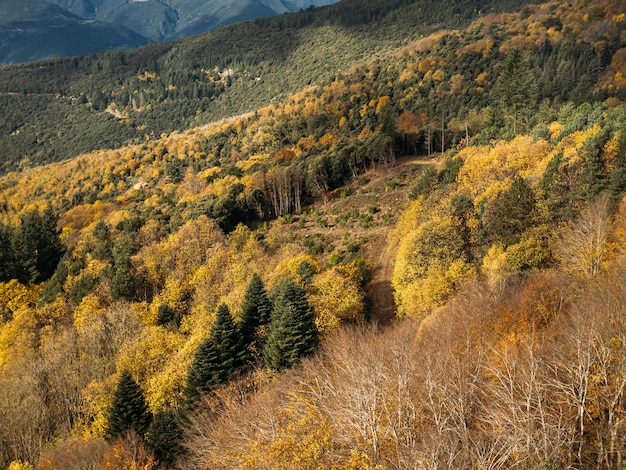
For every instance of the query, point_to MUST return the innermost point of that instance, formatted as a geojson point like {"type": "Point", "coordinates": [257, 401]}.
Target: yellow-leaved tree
{"type": "Point", "coordinates": [430, 263]}
{"type": "Point", "coordinates": [336, 297]}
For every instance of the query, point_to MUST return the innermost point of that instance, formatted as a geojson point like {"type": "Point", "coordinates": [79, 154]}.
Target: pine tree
{"type": "Point", "coordinates": [49, 246]}
{"type": "Point", "coordinates": [102, 250]}
{"type": "Point", "coordinates": [255, 314]}
{"type": "Point", "coordinates": [165, 437]}
{"type": "Point", "coordinates": [7, 260]}
{"type": "Point", "coordinates": [24, 248]}
{"type": "Point", "coordinates": [203, 374]}
{"type": "Point", "coordinates": [128, 409]}
{"type": "Point", "coordinates": [512, 213]}
{"type": "Point", "coordinates": [216, 359]}
{"type": "Point", "coordinates": [226, 338]}
{"type": "Point", "coordinates": [292, 333]}
{"type": "Point", "coordinates": [123, 282]}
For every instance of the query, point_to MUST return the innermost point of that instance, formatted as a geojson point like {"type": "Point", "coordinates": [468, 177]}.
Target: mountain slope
{"type": "Point", "coordinates": [164, 20]}
{"type": "Point", "coordinates": [35, 30]}
{"type": "Point", "coordinates": [108, 99]}
{"type": "Point", "coordinates": [507, 257]}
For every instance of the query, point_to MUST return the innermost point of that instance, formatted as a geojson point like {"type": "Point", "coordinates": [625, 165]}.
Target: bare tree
{"type": "Point", "coordinates": [584, 248]}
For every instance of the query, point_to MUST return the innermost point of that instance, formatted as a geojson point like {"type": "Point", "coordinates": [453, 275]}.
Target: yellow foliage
{"type": "Point", "coordinates": [483, 166]}
{"type": "Point", "coordinates": [358, 461]}
{"type": "Point", "coordinates": [174, 295]}
{"type": "Point", "coordinates": [610, 153]}
{"type": "Point", "coordinates": [328, 139]}
{"type": "Point", "coordinates": [18, 335]}
{"type": "Point", "coordinates": [148, 357]}
{"type": "Point", "coordinates": [383, 101]}
{"type": "Point", "coordinates": [408, 221]}
{"type": "Point", "coordinates": [14, 295]}
{"type": "Point", "coordinates": [427, 63]}
{"type": "Point", "coordinates": [209, 172]}
{"type": "Point", "coordinates": [438, 75]}
{"type": "Point", "coordinates": [494, 265]}
{"type": "Point", "coordinates": [97, 399]}
{"type": "Point", "coordinates": [304, 437]}
{"type": "Point", "coordinates": [88, 309]}
{"type": "Point", "coordinates": [482, 79]}
{"type": "Point", "coordinates": [335, 297]}
{"type": "Point", "coordinates": [19, 465]}
{"type": "Point", "coordinates": [289, 267]}
{"type": "Point", "coordinates": [221, 186]}
{"type": "Point", "coordinates": [53, 312]}
{"type": "Point", "coordinates": [570, 145]}
{"type": "Point", "coordinates": [421, 296]}
{"type": "Point", "coordinates": [555, 129]}
{"type": "Point", "coordinates": [429, 265]}
{"type": "Point", "coordinates": [164, 389]}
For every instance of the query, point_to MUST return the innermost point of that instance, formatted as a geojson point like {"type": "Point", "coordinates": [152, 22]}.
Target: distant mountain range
{"type": "Point", "coordinates": [37, 29]}
{"type": "Point", "coordinates": [34, 30]}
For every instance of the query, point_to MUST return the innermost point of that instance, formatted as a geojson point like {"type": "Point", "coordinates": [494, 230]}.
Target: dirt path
{"type": "Point", "coordinates": [379, 288]}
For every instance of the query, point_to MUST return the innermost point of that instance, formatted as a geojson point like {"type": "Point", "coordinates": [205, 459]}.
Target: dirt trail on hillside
{"type": "Point", "coordinates": [379, 288]}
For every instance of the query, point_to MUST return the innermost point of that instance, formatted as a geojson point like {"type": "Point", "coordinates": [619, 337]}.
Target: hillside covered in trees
{"type": "Point", "coordinates": [211, 298]}
{"type": "Point", "coordinates": [61, 108]}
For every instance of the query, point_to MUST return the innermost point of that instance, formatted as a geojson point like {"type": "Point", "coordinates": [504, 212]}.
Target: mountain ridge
{"type": "Point", "coordinates": [35, 34]}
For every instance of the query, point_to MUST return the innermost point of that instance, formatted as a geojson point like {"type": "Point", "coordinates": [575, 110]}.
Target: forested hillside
{"type": "Point", "coordinates": [59, 109]}
{"type": "Point", "coordinates": [213, 298]}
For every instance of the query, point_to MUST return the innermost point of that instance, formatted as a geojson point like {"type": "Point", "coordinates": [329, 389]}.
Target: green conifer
{"type": "Point", "coordinates": [203, 374]}
{"type": "Point", "coordinates": [292, 333]}
{"type": "Point", "coordinates": [255, 313]}
{"type": "Point", "coordinates": [216, 359]}
{"type": "Point", "coordinates": [165, 437]}
{"type": "Point", "coordinates": [128, 409]}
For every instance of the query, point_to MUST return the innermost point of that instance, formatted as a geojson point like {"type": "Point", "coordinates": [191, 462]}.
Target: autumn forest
{"type": "Point", "coordinates": [405, 250]}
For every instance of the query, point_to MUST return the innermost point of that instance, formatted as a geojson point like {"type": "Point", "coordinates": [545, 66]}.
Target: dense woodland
{"type": "Point", "coordinates": [204, 298]}
{"type": "Point", "coordinates": [61, 108]}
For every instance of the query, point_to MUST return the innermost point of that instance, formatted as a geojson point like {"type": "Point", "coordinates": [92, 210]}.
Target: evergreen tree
{"type": "Point", "coordinates": [7, 260]}
{"type": "Point", "coordinates": [203, 374]}
{"type": "Point", "coordinates": [128, 409]}
{"type": "Point", "coordinates": [226, 338]}
{"type": "Point", "coordinates": [102, 250]}
{"type": "Point", "coordinates": [511, 213]}
{"type": "Point", "coordinates": [216, 359]}
{"type": "Point", "coordinates": [292, 333]}
{"type": "Point", "coordinates": [25, 249]}
{"type": "Point", "coordinates": [165, 437]}
{"type": "Point", "coordinates": [123, 282]}
{"type": "Point", "coordinates": [49, 247]}
{"type": "Point", "coordinates": [255, 314]}
{"type": "Point", "coordinates": [36, 247]}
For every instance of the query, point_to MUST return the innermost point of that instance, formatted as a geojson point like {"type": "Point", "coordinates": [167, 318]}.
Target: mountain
{"type": "Point", "coordinates": [62, 108]}
{"type": "Point", "coordinates": [429, 193]}
{"type": "Point", "coordinates": [34, 30]}
{"type": "Point", "coordinates": [161, 20]}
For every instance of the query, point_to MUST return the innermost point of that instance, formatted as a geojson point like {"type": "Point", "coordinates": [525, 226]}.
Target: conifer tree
{"type": "Point", "coordinates": [7, 261]}
{"type": "Point", "coordinates": [292, 333]}
{"type": "Point", "coordinates": [216, 359]}
{"type": "Point", "coordinates": [49, 246]}
{"type": "Point", "coordinates": [255, 313]}
{"type": "Point", "coordinates": [128, 409]}
{"type": "Point", "coordinates": [123, 282]}
{"type": "Point", "coordinates": [225, 336]}
{"type": "Point", "coordinates": [203, 374]}
{"type": "Point", "coordinates": [165, 437]}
